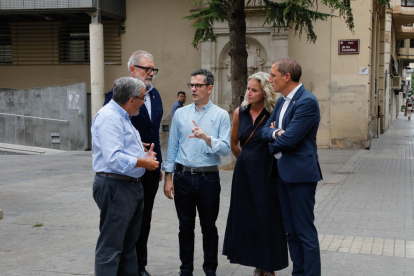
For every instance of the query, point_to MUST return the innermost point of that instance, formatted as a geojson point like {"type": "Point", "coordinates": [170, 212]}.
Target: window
{"type": "Point", "coordinates": [6, 56]}
{"type": "Point", "coordinates": [407, 3]}
{"type": "Point", "coordinates": [74, 43]}
{"type": "Point", "coordinates": [401, 43]}
{"type": "Point", "coordinates": [411, 43]}
{"type": "Point", "coordinates": [53, 43]}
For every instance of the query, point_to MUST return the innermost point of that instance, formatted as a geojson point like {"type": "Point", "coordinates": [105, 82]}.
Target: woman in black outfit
{"type": "Point", "coordinates": [254, 234]}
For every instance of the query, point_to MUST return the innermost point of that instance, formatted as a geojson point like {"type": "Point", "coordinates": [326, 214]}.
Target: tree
{"type": "Point", "coordinates": [299, 15]}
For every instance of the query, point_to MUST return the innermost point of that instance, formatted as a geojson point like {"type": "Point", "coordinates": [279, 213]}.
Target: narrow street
{"type": "Point", "coordinates": [364, 213]}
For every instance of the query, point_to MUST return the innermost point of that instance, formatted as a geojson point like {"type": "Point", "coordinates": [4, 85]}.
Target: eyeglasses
{"type": "Point", "coordinates": [196, 85]}
{"type": "Point", "coordinates": [148, 70]}
{"type": "Point", "coordinates": [142, 99]}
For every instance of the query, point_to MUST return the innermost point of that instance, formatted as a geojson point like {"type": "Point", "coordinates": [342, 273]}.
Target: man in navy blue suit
{"type": "Point", "coordinates": [147, 122]}
{"type": "Point", "coordinates": [291, 133]}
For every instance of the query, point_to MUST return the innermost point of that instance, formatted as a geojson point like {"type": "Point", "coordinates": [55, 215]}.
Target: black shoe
{"type": "Point", "coordinates": [144, 273]}
{"type": "Point", "coordinates": [211, 273]}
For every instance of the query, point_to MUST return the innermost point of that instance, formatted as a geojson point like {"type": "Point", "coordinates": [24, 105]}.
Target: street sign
{"type": "Point", "coordinates": [348, 46]}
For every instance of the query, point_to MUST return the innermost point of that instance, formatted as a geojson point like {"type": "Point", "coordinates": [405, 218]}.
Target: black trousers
{"type": "Point", "coordinates": [297, 201]}
{"type": "Point", "coordinates": [121, 204]}
{"type": "Point", "coordinates": [150, 184]}
{"type": "Point", "coordinates": [201, 191]}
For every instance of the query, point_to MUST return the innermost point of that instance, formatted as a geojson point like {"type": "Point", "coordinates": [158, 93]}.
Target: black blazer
{"type": "Point", "coordinates": [149, 130]}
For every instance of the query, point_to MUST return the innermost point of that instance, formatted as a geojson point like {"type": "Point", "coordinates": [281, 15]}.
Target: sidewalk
{"type": "Point", "coordinates": [364, 214]}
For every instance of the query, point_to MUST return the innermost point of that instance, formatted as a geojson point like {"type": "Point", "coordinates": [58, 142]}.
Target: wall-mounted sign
{"type": "Point", "coordinates": [363, 71]}
{"type": "Point", "coordinates": [348, 46]}
{"type": "Point", "coordinates": [43, 4]}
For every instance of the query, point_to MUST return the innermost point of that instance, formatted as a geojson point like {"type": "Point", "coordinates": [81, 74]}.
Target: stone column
{"type": "Point", "coordinates": [97, 64]}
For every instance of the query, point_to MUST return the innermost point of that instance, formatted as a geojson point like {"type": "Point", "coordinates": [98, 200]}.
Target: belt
{"type": "Point", "coordinates": [198, 170]}
{"type": "Point", "coordinates": [119, 176]}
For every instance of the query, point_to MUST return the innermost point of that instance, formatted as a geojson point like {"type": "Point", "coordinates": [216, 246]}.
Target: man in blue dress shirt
{"type": "Point", "coordinates": [119, 161]}
{"type": "Point", "coordinates": [200, 134]}
{"type": "Point", "coordinates": [179, 103]}
{"type": "Point", "coordinates": [147, 122]}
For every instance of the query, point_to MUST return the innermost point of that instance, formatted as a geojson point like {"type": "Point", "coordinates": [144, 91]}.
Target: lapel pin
{"type": "Point", "coordinates": [153, 97]}
{"type": "Point", "coordinates": [294, 102]}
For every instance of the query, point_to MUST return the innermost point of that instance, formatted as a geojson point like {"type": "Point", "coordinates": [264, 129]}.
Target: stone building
{"type": "Point", "coordinates": [359, 93]}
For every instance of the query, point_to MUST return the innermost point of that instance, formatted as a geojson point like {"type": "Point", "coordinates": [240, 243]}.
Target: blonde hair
{"type": "Point", "coordinates": [270, 95]}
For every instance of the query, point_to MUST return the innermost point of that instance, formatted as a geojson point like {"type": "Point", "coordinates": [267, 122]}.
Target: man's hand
{"type": "Point", "coordinates": [151, 154]}
{"type": "Point", "coordinates": [281, 132]}
{"type": "Point", "coordinates": [273, 124]}
{"type": "Point", "coordinates": [199, 133]}
{"type": "Point", "coordinates": [144, 145]}
{"type": "Point", "coordinates": [169, 186]}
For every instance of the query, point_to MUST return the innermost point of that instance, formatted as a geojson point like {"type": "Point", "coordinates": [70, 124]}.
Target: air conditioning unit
{"type": "Point", "coordinates": [396, 83]}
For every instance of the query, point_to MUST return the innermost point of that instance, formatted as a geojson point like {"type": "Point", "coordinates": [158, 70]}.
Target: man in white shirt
{"type": "Point", "coordinates": [291, 133]}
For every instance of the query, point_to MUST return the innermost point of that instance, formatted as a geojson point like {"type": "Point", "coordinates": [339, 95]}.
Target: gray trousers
{"type": "Point", "coordinates": [121, 203]}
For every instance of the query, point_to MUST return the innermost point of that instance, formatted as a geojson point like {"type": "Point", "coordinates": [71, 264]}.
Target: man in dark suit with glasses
{"type": "Point", "coordinates": [147, 122]}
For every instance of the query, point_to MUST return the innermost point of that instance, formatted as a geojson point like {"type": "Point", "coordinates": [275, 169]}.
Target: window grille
{"type": "Point", "coordinates": [52, 43]}
{"type": "Point", "coordinates": [5, 44]}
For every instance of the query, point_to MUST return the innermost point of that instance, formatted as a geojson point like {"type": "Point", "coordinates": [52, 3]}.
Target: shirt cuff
{"type": "Point", "coordinates": [133, 162]}
{"type": "Point", "coordinates": [274, 134]}
{"type": "Point", "coordinates": [215, 145]}
{"type": "Point", "coordinates": [168, 167]}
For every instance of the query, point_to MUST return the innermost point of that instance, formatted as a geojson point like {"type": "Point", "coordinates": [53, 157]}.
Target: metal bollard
{"type": "Point", "coordinates": [1, 214]}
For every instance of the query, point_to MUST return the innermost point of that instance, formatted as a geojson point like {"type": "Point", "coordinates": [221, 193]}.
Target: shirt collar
{"type": "Point", "coordinates": [292, 94]}
{"type": "Point", "coordinates": [206, 107]}
{"type": "Point", "coordinates": [149, 89]}
{"type": "Point", "coordinates": [119, 109]}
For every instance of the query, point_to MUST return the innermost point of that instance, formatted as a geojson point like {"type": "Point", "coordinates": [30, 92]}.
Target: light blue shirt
{"type": "Point", "coordinates": [194, 152]}
{"type": "Point", "coordinates": [148, 100]}
{"type": "Point", "coordinates": [116, 144]}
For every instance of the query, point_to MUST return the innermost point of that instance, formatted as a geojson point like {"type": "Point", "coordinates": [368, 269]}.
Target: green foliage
{"type": "Point", "coordinates": [216, 10]}
{"type": "Point", "coordinates": [38, 224]}
{"type": "Point", "coordinates": [384, 3]}
{"type": "Point", "coordinates": [297, 14]}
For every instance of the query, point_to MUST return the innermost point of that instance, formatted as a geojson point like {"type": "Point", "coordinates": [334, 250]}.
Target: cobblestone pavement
{"type": "Point", "coordinates": [364, 214]}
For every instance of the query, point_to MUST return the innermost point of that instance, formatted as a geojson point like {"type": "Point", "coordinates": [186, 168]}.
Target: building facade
{"type": "Point", "coordinates": [359, 94]}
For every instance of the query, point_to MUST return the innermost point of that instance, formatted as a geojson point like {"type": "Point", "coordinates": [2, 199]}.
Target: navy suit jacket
{"type": "Point", "coordinates": [299, 162]}
{"type": "Point", "coordinates": [149, 130]}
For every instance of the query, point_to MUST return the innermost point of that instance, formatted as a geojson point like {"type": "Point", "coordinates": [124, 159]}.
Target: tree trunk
{"type": "Point", "coordinates": [237, 27]}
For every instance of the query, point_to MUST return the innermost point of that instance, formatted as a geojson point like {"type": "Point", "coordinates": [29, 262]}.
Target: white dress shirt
{"type": "Point", "coordinates": [148, 100]}
{"type": "Point", "coordinates": [288, 98]}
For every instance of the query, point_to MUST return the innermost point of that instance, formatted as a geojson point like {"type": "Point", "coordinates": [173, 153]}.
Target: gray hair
{"type": "Point", "coordinates": [125, 88]}
{"type": "Point", "coordinates": [209, 78]}
{"type": "Point", "coordinates": [136, 56]}
{"type": "Point", "coordinates": [291, 66]}
{"type": "Point", "coordinates": [266, 86]}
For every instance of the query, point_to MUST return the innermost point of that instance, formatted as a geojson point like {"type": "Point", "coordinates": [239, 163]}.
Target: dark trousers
{"type": "Point", "coordinates": [150, 184]}
{"type": "Point", "coordinates": [297, 201]}
{"type": "Point", "coordinates": [201, 191]}
{"type": "Point", "coordinates": [121, 204]}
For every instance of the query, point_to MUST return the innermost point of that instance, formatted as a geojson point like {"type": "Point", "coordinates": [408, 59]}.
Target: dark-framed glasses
{"type": "Point", "coordinates": [142, 99]}
{"type": "Point", "coordinates": [196, 85]}
{"type": "Point", "coordinates": [148, 70]}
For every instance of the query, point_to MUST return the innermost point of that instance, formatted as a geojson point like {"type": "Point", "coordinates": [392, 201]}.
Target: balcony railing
{"type": "Point", "coordinates": [407, 3]}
